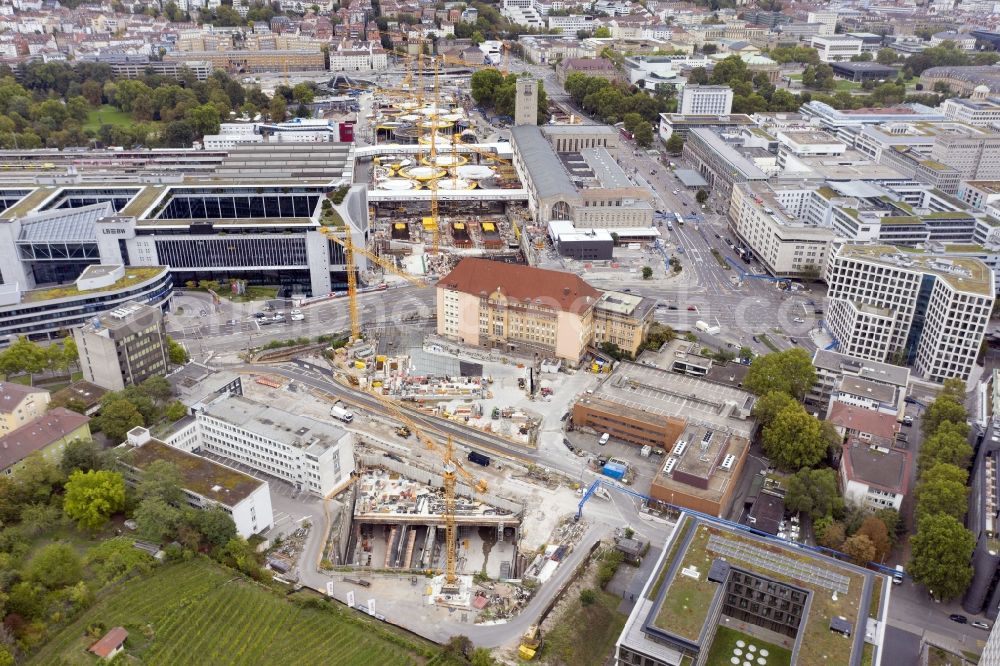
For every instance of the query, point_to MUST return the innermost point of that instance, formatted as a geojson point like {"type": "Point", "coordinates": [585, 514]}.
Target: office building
{"type": "Point", "coordinates": [703, 100]}
{"type": "Point", "coordinates": [784, 244]}
{"type": "Point", "coordinates": [123, 347]}
{"type": "Point", "coordinates": [20, 404]}
{"type": "Point", "coordinates": [975, 155]}
{"type": "Point", "coordinates": [206, 484]}
{"type": "Point", "coordinates": [684, 124]}
{"type": "Point", "coordinates": [623, 320]}
{"type": "Point", "coordinates": [983, 518]}
{"type": "Point", "coordinates": [979, 112]}
{"type": "Point", "coordinates": [783, 602]}
{"type": "Point", "coordinates": [720, 163]}
{"type": "Point", "coordinates": [909, 308]}
{"type": "Point", "coordinates": [517, 309]}
{"type": "Point", "coordinates": [46, 435]}
{"type": "Point", "coordinates": [255, 62]}
{"type": "Point", "coordinates": [979, 193]}
{"type": "Point", "coordinates": [828, 21]}
{"type": "Point", "coordinates": [649, 406]}
{"type": "Point", "coordinates": [834, 48]}
{"type": "Point", "coordinates": [839, 376]}
{"type": "Point", "coordinates": [313, 456]}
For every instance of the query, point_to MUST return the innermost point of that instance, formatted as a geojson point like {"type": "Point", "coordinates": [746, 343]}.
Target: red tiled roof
{"type": "Point", "coordinates": [35, 435]}
{"type": "Point", "coordinates": [110, 642]}
{"type": "Point", "coordinates": [564, 291]}
{"type": "Point", "coordinates": [863, 420]}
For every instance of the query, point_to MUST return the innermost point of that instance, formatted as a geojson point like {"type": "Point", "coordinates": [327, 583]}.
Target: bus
{"type": "Point", "coordinates": [680, 220]}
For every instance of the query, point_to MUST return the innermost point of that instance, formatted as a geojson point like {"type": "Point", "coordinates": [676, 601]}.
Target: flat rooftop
{"type": "Point", "coordinates": [134, 275]}
{"type": "Point", "coordinates": [680, 598]}
{"type": "Point", "coordinates": [200, 475]}
{"type": "Point", "coordinates": [962, 273]}
{"type": "Point", "coordinates": [699, 470]}
{"type": "Point", "coordinates": [655, 391]}
{"type": "Point", "coordinates": [625, 304]}
{"type": "Point", "coordinates": [277, 425]}
{"type": "Point", "coordinates": [837, 362]}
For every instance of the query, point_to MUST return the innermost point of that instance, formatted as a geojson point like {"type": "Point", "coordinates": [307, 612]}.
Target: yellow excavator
{"type": "Point", "coordinates": [531, 642]}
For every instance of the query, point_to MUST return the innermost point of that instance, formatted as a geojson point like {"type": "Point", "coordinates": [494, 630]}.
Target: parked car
{"type": "Point", "coordinates": [671, 307]}
{"type": "Point", "coordinates": [799, 320]}
{"type": "Point", "coordinates": [961, 619]}
{"type": "Point", "coordinates": [793, 341]}
{"type": "Point", "coordinates": [979, 624]}
{"type": "Point", "coordinates": [907, 420]}
{"type": "Point", "coordinates": [568, 444]}
{"type": "Point", "coordinates": [691, 308]}
{"type": "Point", "coordinates": [604, 439]}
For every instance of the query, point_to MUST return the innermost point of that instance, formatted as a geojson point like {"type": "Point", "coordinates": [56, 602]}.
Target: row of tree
{"type": "Point", "coordinates": [941, 549]}
{"type": "Point", "coordinates": [610, 101]}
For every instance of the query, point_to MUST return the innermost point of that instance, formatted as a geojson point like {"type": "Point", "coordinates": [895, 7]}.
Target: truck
{"type": "Point", "coordinates": [341, 414]}
{"type": "Point", "coordinates": [479, 458]}
{"type": "Point", "coordinates": [705, 327]}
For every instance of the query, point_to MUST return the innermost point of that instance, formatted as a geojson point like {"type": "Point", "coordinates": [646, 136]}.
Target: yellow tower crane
{"type": "Point", "coordinates": [352, 278]}
{"type": "Point", "coordinates": [451, 467]}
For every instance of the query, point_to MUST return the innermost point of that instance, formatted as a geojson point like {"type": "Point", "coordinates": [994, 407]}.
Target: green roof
{"type": "Point", "coordinates": [933, 164]}
{"type": "Point", "coordinates": [143, 200]}
{"type": "Point", "coordinates": [965, 248]}
{"type": "Point", "coordinates": [948, 215]}
{"type": "Point", "coordinates": [827, 192]}
{"type": "Point", "coordinates": [902, 219]}
{"type": "Point", "coordinates": [29, 203]}
{"type": "Point", "coordinates": [134, 275]}
{"type": "Point", "coordinates": [200, 475]}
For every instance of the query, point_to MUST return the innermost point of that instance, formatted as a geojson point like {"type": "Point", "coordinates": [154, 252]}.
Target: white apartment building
{"type": "Point", "coordinates": [571, 24]}
{"type": "Point", "coordinates": [312, 455]}
{"type": "Point", "coordinates": [909, 308]}
{"type": "Point", "coordinates": [828, 21]}
{"type": "Point", "coordinates": [835, 48]}
{"type": "Point", "coordinates": [766, 220]}
{"type": "Point", "coordinates": [358, 58]}
{"type": "Point", "coordinates": [874, 478]}
{"type": "Point", "coordinates": [205, 483]}
{"type": "Point", "coordinates": [705, 100]}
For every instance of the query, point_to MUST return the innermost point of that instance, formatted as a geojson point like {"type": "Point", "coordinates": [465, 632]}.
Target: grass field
{"type": "Point", "coordinates": [106, 115]}
{"type": "Point", "coordinates": [721, 652]}
{"type": "Point", "coordinates": [198, 612]}
{"type": "Point", "coordinates": [586, 635]}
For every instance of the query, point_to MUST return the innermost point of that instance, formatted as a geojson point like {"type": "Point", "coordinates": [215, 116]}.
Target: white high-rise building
{"type": "Point", "coordinates": [909, 308]}
{"type": "Point", "coordinates": [705, 100]}
{"type": "Point", "coordinates": [836, 48]}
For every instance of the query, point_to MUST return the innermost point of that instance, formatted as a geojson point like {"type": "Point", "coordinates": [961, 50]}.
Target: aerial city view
{"type": "Point", "coordinates": [573, 333]}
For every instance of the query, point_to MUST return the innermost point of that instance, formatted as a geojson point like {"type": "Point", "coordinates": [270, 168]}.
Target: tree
{"type": "Point", "coordinates": [80, 454]}
{"type": "Point", "coordinates": [587, 597]}
{"type": "Point", "coordinates": [790, 371]}
{"type": "Point", "coordinates": [216, 526]}
{"type": "Point", "coordinates": [56, 565]}
{"type": "Point", "coordinates": [768, 406]}
{"type": "Point", "coordinates": [277, 108]}
{"type": "Point", "coordinates": [643, 134]}
{"type": "Point", "coordinates": [701, 197]}
{"type": "Point", "coordinates": [303, 93]}
{"type": "Point", "coordinates": [948, 445]}
{"type": "Point", "coordinates": [161, 480]}
{"type": "Point", "coordinates": [833, 536]}
{"type": "Point", "coordinates": [647, 272]}
{"type": "Point", "coordinates": [91, 497]}
{"type": "Point", "coordinates": [878, 534]}
{"type": "Point", "coordinates": [175, 411]}
{"type": "Point", "coordinates": [942, 489]}
{"type": "Point", "coordinates": [157, 521]}
{"type": "Point", "coordinates": [603, 32]}
{"type": "Point", "coordinates": [814, 491]}
{"type": "Point", "coordinates": [793, 439]}
{"type": "Point", "coordinates": [117, 417]}
{"type": "Point", "coordinates": [675, 144]}
{"type": "Point", "coordinates": [953, 388]}
{"type": "Point", "coordinates": [859, 548]}
{"type": "Point", "coordinates": [942, 410]}
{"type": "Point", "coordinates": [886, 56]}
{"type": "Point", "coordinates": [941, 552]}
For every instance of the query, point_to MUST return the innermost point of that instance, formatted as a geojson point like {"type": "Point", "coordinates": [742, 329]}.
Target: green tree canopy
{"type": "Point", "coordinates": [789, 371]}
{"type": "Point", "coordinates": [944, 409]}
{"type": "Point", "coordinates": [815, 492]}
{"type": "Point", "coordinates": [117, 417]}
{"type": "Point", "coordinates": [768, 406]}
{"type": "Point", "coordinates": [941, 552]}
{"type": "Point", "coordinates": [55, 565]}
{"type": "Point", "coordinates": [794, 440]}
{"type": "Point", "coordinates": [675, 144]}
{"type": "Point", "coordinates": [942, 489]}
{"type": "Point", "coordinates": [603, 32]}
{"type": "Point", "coordinates": [161, 480]}
{"type": "Point", "coordinates": [948, 444]}
{"type": "Point", "coordinates": [92, 497]}
{"type": "Point", "coordinates": [157, 521]}
{"type": "Point", "coordinates": [859, 548]}
{"type": "Point", "coordinates": [81, 454]}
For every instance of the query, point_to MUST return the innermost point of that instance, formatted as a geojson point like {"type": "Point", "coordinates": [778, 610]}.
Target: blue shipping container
{"type": "Point", "coordinates": [614, 470]}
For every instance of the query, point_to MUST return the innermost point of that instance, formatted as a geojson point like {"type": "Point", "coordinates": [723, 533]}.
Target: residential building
{"type": "Point", "coordinates": [785, 597]}
{"type": "Point", "coordinates": [20, 404]}
{"type": "Point", "coordinates": [517, 308]}
{"type": "Point", "coordinates": [623, 319]}
{"type": "Point", "coordinates": [905, 307]}
{"type": "Point", "coordinates": [834, 48]}
{"type": "Point", "coordinates": [784, 244]}
{"type": "Point", "coordinates": [206, 484]}
{"type": "Point", "coordinates": [838, 374]}
{"type": "Point", "coordinates": [874, 477]}
{"type": "Point", "coordinates": [123, 347]}
{"type": "Point", "coordinates": [705, 100]}
{"type": "Point", "coordinates": [313, 456]}
{"type": "Point", "coordinates": [48, 435]}
{"type": "Point", "coordinates": [859, 422]}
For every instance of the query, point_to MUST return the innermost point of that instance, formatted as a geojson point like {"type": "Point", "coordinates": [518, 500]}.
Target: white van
{"type": "Point", "coordinates": [897, 578]}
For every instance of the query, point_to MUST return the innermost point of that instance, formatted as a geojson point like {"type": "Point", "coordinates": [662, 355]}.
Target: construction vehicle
{"type": "Point", "coordinates": [403, 431]}
{"type": "Point", "coordinates": [531, 643]}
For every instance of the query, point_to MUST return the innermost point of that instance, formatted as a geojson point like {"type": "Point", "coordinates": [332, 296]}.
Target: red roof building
{"type": "Point", "coordinates": [111, 644]}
